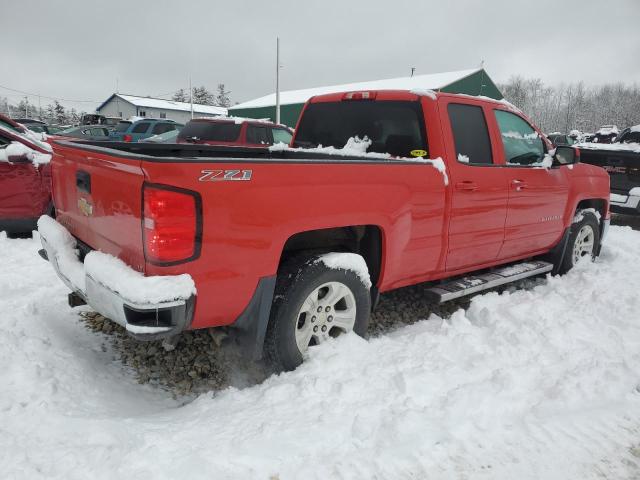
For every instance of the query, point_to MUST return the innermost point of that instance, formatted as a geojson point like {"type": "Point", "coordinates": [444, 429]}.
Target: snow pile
{"type": "Point", "coordinates": [424, 92]}
{"type": "Point", "coordinates": [635, 128]}
{"type": "Point", "coordinates": [617, 147]}
{"type": "Point", "coordinates": [111, 272]}
{"type": "Point", "coordinates": [19, 149]}
{"type": "Point", "coordinates": [580, 214]}
{"type": "Point", "coordinates": [608, 130]}
{"type": "Point", "coordinates": [357, 147]}
{"type": "Point", "coordinates": [463, 158]}
{"type": "Point", "coordinates": [530, 384]}
{"type": "Point", "coordinates": [347, 261]}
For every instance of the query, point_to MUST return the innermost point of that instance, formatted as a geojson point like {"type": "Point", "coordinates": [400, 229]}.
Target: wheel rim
{"type": "Point", "coordinates": [584, 243]}
{"type": "Point", "coordinates": [327, 312]}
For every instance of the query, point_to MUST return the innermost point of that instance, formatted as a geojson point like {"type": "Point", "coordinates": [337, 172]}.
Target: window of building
{"type": "Point", "coordinates": [142, 113]}
{"type": "Point", "coordinates": [470, 134]}
{"type": "Point", "coordinates": [163, 115]}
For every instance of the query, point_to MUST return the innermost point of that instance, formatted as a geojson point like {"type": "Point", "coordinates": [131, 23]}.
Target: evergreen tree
{"type": "Point", "coordinates": [222, 98]}
{"type": "Point", "coordinates": [60, 114]}
{"type": "Point", "coordinates": [180, 96]}
{"type": "Point", "coordinates": [202, 96]}
{"type": "Point", "coordinates": [49, 114]}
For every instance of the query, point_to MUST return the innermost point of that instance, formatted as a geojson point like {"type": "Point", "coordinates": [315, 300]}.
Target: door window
{"type": "Point", "coordinates": [522, 144]}
{"type": "Point", "coordinates": [470, 134]}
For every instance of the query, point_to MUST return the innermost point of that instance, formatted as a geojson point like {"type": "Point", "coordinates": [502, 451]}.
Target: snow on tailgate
{"type": "Point", "coordinates": [528, 384]}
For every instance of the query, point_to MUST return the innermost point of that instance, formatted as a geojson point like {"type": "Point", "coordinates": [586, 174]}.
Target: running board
{"type": "Point", "coordinates": [476, 283]}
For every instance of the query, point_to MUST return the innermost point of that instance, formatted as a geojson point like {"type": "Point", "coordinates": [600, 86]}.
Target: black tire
{"type": "Point", "coordinates": [297, 280]}
{"type": "Point", "coordinates": [588, 220]}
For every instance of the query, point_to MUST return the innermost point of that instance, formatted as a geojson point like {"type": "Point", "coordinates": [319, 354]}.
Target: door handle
{"type": "Point", "coordinates": [83, 181]}
{"type": "Point", "coordinates": [518, 185]}
{"type": "Point", "coordinates": [467, 186]}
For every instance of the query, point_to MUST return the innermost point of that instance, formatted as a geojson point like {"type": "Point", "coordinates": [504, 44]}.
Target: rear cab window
{"type": "Point", "coordinates": [211, 131]}
{"type": "Point", "coordinates": [393, 126]}
{"type": "Point", "coordinates": [470, 134]}
{"type": "Point", "coordinates": [141, 127]}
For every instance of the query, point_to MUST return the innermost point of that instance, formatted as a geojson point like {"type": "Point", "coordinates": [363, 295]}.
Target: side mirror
{"type": "Point", "coordinates": [565, 155]}
{"type": "Point", "coordinates": [19, 158]}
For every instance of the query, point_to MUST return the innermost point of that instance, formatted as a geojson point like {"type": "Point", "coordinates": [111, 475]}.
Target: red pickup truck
{"type": "Point", "coordinates": [291, 246]}
{"type": "Point", "coordinates": [25, 192]}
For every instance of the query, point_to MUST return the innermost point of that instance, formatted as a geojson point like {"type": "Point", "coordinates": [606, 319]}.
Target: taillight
{"type": "Point", "coordinates": [127, 137]}
{"type": "Point", "coordinates": [171, 224]}
{"type": "Point", "coordinates": [359, 96]}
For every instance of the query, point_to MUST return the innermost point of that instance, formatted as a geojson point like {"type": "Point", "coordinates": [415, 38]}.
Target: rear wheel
{"type": "Point", "coordinates": [583, 243]}
{"type": "Point", "coordinates": [314, 303]}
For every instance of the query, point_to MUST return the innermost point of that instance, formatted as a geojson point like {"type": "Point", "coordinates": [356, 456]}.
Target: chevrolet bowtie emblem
{"type": "Point", "coordinates": [85, 207]}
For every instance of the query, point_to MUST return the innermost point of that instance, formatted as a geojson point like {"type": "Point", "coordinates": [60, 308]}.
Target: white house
{"type": "Point", "coordinates": [125, 106]}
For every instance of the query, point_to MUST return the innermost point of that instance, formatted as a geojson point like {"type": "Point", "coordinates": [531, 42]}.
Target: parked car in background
{"type": "Point", "coordinates": [234, 132]}
{"type": "Point", "coordinates": [87, 132]}
{"type": "Point", "coordinates": [25, 181]}
{"type": "Point", "coordinates": [11, 124]}
{"type": "Point", "coordinates": [606, 134]}
{"type": "Point", "coordinates": [629, 135]}
{"type": "Point", "coordinates": [37, 126]}
{"type": "Point", "coordinates": [621, 159]}
{"type": "Point", "coordinates": [560, 139]}
{"type": "Point", "coordinates": [166, 137]}
{"type": "Point", "coordinates": [135, 131]}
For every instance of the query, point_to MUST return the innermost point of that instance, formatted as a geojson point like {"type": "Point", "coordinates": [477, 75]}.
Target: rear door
{"type": "Point", "coordinates": [479, 187]}
{"type": "Point", "coordinates": [537, 195]}
{"type": "Point", "coordinates": [257, 135]}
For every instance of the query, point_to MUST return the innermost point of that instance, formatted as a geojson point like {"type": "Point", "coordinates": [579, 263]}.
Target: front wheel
{"type": "Point", "coordinates": [314, 302]}
{"type": "Point", "coordinates": [584, 241]}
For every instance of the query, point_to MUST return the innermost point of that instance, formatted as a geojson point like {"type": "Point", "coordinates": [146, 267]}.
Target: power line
{"type": "Point", "coordinates": [48, 97]}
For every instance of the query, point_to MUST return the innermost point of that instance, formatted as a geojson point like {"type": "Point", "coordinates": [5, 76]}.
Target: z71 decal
{"type": "Point", "coordinates": [224, 175]}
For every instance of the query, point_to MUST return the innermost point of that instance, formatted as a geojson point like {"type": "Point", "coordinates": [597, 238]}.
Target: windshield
{"type": "Point", "coordinates": [394, 127]}
{"type": "Point", "coordinates": [211, 131]}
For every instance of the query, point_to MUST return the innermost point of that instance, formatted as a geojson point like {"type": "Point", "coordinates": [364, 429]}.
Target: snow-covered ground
{"type": "Point", "coordinates": [532, 384]}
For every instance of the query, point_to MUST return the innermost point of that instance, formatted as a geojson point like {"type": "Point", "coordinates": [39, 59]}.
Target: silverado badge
{"type": "Point", "coordinates": [85, 207]}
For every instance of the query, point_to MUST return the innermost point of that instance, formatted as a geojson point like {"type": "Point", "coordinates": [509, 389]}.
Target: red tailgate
{"type": "Point", "coordinates": [98, 199]}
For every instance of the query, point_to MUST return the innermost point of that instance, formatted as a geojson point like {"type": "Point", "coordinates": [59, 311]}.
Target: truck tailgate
{"type": "Point", "coordinates": [623, 167]}
{"type": "Point", "coordinates": [98, 199]}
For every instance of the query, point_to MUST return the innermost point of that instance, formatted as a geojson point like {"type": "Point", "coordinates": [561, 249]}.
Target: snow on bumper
{"type": "Point", "coordinates": [147, 307]}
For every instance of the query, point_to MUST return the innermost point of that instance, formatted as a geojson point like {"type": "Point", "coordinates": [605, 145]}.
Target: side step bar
{"type": "Point", "coordinates": [476, 283]}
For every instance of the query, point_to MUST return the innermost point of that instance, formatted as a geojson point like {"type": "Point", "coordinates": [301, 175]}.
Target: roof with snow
{"type": "Point", "coordinates": [434, 81]}
{"type": "Point", "coordinates": [163, 104]}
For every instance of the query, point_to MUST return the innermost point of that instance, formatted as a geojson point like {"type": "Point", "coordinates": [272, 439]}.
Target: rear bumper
{"type": "Point", "coordinates": [18, 225]}
{"type": "Point", "coordinates": [142, 320]}
{"type": "Point", "coordinates": [624, 203]}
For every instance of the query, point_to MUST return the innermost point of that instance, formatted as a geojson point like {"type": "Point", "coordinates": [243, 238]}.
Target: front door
{"type": "Point", "coordinates": [537, 192]}
{"type": "Point", "coordinates": [478, 186]}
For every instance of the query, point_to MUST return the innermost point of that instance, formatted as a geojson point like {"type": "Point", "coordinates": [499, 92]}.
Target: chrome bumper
{"type": "Point", "coordinates": [624, 201]}
{"type": "Point", "coordinates": [148, 321]}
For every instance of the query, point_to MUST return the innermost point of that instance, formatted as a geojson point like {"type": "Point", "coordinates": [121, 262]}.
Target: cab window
{"type": "Point", "coordinates": [522, 144]}
{"type": "Point", "coordinates": [280, 135]}
{"type": "Point", "coordinates": [257, 135]}
{"type": "Point", "coordinates": [470, 134]}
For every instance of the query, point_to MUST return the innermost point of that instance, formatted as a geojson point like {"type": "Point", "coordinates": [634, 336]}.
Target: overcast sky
{"type": "Point", "coordinates": [77, 49]}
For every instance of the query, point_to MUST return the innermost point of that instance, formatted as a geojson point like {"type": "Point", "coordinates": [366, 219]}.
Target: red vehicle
{"type": "Point", "coordinates": [292, 246]}
{"type": "Point", "coordinates": [25, 181]}
{"type": "Point", "coordinates": [233, 131]}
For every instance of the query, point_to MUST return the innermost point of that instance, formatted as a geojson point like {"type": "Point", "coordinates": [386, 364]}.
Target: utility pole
{"type": "Point", "coordinates": [26, 107]}
{"type": "Point", "coordinates": [191, 97]}
{"type": "Point", "coordinates": [39, 108]}
{"type": "Point", "coordinates": [413, 69]}
{"type": "Point", "coordinates": [277, 79]}
{"type": "Point", "coordinates": [117, 97]}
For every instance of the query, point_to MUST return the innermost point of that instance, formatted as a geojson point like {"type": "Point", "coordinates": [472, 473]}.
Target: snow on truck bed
{"type": "Point", "coordinates": [532, 384]}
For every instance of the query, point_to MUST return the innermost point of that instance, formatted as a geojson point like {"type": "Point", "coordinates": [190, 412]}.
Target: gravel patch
{"type": "Point", "coordinates": [206, 360]}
